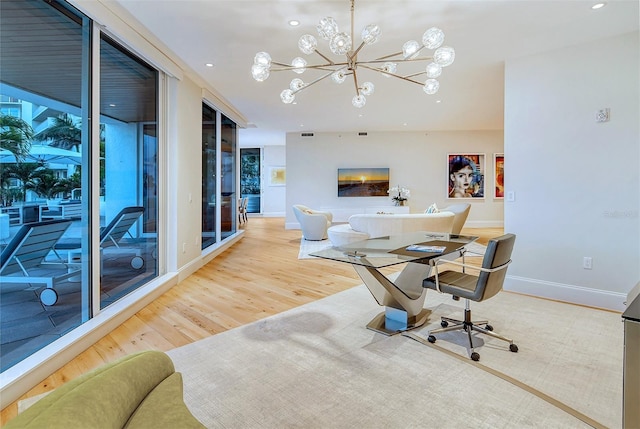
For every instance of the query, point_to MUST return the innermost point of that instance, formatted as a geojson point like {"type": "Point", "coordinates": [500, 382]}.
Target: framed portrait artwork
{"type": "Point", "coordinates": [498, 171]}
{"type": "Point", "coordinates": [465, 178]}
{"type": "Point", "coordinates": [277, 176]}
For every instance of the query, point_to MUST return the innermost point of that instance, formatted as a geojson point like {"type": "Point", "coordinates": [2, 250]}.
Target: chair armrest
{"type": "Point", "coordinates": [328, 215]}
{"type": "Point", "coordinates": [463, 265]}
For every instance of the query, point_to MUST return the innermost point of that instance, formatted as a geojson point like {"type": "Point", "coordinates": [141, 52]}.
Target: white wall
{"type": "Point", "coordinates": [417, 160]}
{"type": "Point", "coordinates": [576, 181]}
{"type": "Point", "coordinates": [273, 197]}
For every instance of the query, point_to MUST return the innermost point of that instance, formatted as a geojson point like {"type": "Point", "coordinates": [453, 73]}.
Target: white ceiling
{"type": "Point", "coordinates": [483, 33]}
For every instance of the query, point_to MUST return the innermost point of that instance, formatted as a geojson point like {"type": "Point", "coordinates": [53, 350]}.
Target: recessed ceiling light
{"type": "Point", "coordinates": [438, 101]}
{"type": "Point", "coordinates": [598, 5]}
{"type": "Point", "coordinates": [112, 105]}
{"type": "Point", "coordinates": [404, 125]}
{"type": "Point", "coordinates": [209, 64]}
{"type": "Point", "coordinates": [294, 23]}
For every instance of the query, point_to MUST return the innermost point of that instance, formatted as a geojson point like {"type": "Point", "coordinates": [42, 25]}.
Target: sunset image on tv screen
{"type": "Point", "coordinates": [363, 182]}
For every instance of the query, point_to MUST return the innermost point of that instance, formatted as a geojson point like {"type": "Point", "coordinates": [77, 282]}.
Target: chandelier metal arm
{"type": "Point", "coordinates": [327, 59]}
{"type": "Point", "coordinates": [355, 53]}
{"type": "Point", "coordinates": [392, 74]}
{"type": "Point", "coordinates": [399, 60]}
{"type": "Point", "coordinates": [355, 82]}
{"type": "Point", "coordinates": [314, 81]}
{"type": "Point", "coordinates": [313, 66]}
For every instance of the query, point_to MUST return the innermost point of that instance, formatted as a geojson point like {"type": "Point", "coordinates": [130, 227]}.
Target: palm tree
{"type": "Point", "coordinates": [45, 184]}
{"type": "Point", "coordinates": [15, 135]}
{"type": "Point", "coordinates": [64, 133]}
{"type": "Point", "coordinates": [25, 172]}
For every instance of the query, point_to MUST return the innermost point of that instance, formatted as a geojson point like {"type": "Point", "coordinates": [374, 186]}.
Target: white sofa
{"type": "Point", "coordinates": [364, 226]}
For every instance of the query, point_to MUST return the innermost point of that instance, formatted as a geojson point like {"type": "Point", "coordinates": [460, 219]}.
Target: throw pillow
{"type": "Point", "coordinates": [433, 208]}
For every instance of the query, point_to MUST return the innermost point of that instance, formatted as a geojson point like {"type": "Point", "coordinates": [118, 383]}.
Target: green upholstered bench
{"type": "Point", "coordinates": [141, 390]}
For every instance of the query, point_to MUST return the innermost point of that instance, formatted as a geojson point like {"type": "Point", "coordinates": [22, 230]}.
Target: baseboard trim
{"type": "Point", "coordinates": [484, 224]}
{"type": "Point", "coordinates": [573, 294]}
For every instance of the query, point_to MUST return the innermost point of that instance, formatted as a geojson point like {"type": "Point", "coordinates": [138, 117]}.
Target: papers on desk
{"type": "Point", "coordinates": [428, 249]}
{"type": "Point", "coordinates": [424, 248]}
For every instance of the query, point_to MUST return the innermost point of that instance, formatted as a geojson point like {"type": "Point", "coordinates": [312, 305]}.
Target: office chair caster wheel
{"type": "Point", "coordinates": [431, 339]}
{"type": "Point", "coordinates": [137, 262]}
{"type": "Point", "coordinates": [488, 327]}
{"type": "Point", "coordinates": [48, 297]}
{"type": "Point", "coordinates": [513, 348]}
{"type": "Point", "coordinates": [475, 357]}
{"type": "Point", "coordinates": [444, 323]}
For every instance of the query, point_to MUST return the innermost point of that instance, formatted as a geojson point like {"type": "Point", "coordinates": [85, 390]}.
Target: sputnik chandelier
{"type": "Point", "coordinates": [341, 43]}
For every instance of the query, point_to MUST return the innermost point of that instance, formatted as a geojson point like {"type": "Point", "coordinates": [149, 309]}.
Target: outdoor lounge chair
{"type": "Point", "coordinates": [24, 258]}
{"type": "Point", "coordinates": [114, 233]}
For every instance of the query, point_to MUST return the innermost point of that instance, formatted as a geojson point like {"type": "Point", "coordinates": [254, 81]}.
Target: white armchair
{"type": "Point", "coordinates": [461, 211]}
{"type": "Point", "coordinates": [313, 223]}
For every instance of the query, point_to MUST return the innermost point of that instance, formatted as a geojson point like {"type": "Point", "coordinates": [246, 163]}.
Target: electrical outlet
{"type": "Point", "coordinates": [511, 196]}
{"type": "Point", "coordinates": [602, 115]}
{"type": "Point", "coordinates": [184, 247]}
{"type": "Point", "coordinates": [587, 263]}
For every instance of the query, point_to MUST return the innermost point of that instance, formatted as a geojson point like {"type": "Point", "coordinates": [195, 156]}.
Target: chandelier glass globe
{"type": "Point", "coordinates": [259, 72]}
{"type": "Point", "coordinates": [263, 59]}
{"type": "Point", "coordinates": [433, 38]}
{"type": "Point", "coordinates": [389, 67]}
{"type": "Point", "coordinates": [296, 85]}
{"type": "Point", "coordinates": [358, 101]}
{"type": "Point", "coordinates": [327, 27]}
{"type": "Point", "coordinates": [307, 44]}
{"type": "Point", "coordinates": [287, 96]}
{"type": "Point", "coordinates": [433, 70]}
{"type": "Point", "coordinates": [410, 49]}
{"type": "Point", "coordinates": [431, 86]}
{"type": "Point", "coordinates": [370, 34]}
{"type": "Point", "coordinates": [340, 43]}
{"type": "Point", "coordinates": [367, 88]}
{"type": "Point", "coordinates": [444, 56]}
{"type": "Point", "coordinates": [299, 65]}
{"type": "Point", "coordinates": [338, 76]}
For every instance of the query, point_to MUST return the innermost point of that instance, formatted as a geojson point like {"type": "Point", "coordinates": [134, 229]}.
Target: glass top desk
{"type": "Point", "coordinates": [404, 296]}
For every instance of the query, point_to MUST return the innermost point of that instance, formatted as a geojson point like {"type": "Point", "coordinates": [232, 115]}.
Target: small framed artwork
{"type": "Point", "coordinates": [498, 171]}
{"type": "Point", "coordinates": [277, 176]}
{"type": "Point", "coordinates": [465, 178]}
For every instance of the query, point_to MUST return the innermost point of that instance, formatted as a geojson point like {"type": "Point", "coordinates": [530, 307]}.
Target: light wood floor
{"type": "Point", "coordinates": [257, 277]}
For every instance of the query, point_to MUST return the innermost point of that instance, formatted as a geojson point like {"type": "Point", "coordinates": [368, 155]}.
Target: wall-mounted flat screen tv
{"type": "Point", "coordinates": [363, 182]}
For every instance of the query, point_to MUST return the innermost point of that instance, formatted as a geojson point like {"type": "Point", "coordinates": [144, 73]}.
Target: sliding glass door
{"type": "Point", "coordinates": [128, 114]}
{"type": "Point", "coordinates": [219, 177]}
{"type": "Point", "coordinates": [51, 214]}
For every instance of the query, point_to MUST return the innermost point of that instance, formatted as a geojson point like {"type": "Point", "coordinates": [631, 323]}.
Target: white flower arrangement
{"type": "Point", "coordinates": [399, 194]}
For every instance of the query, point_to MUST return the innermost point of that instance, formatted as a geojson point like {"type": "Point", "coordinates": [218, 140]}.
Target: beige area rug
{"type": "Point", "coordinates": [317, 366]}
{"type": "Point", "coordinates": [306, 247]}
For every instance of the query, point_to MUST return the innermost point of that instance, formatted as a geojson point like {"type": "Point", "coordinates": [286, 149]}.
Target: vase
{"type": "Point", "coordinates": [399, 202]}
